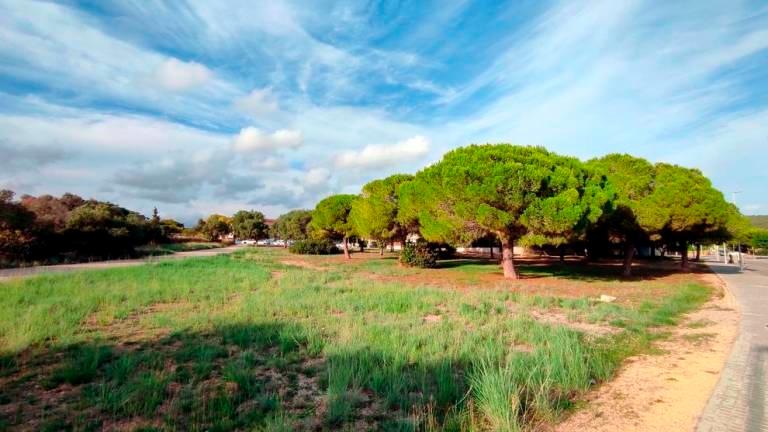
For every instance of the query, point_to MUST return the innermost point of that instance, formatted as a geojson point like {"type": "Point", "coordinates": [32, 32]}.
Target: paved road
{"type": "Point", "coordinates": [740, 400]}
{"type": "Point", "coordinates": [29, 271]}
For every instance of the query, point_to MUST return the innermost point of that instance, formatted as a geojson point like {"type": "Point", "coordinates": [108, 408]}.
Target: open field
{"type": "Point", "coordinates": [269, 341]}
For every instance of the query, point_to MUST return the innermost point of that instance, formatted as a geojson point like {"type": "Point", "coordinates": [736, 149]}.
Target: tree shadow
{"type": "Point", "coordinates": [464, 262]}
{"type": "Point", "coordinates": [234, 377]}
{"type": "Point", "coordinates": [575, 268]}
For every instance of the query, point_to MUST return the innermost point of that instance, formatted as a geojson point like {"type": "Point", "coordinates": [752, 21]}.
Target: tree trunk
{"type": "Point", "coordinates": [629, 253]}
{"type": "Point", "coordinates": [561, 249]}
{"type": "Point", "coordinates": [392, 246]}
{"type": "Point", "coordinates": [381, 249]}
{"type": "Point", "coordinates": [285, 245]}
{"type": "Point", "coordinates": [653, 251]}
{"type": "Point", "coordinates": [684, 255]}
{"type": "Point", "coordinates": [490, 249]}
{"type": "Point", "coordinates": [345, 244]}
{"type": "Point", "coordinates": [508, 257]}
{"type": "Point", "coordinates": [698, 252]}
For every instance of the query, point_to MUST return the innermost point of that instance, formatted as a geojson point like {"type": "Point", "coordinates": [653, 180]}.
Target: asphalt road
{"type": "Point", "coordinates": [11, 273]}
{"type": "Point", "coordinates": [740, 400]}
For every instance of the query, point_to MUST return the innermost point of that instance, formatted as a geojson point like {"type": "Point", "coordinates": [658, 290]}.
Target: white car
{"type": "Point", "coordinates": [248, 242]}
{"type": "Point", "coordinates": [264, 242]}
{"type": "Point", "coordinates": [278, 243]}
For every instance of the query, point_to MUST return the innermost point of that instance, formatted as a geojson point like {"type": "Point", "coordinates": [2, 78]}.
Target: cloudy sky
{"type": "Point", "coordinates": [215, 106]}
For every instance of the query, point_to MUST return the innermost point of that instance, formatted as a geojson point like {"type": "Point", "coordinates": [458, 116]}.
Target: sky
{"type": "Point", "coordinates": [196, 107]}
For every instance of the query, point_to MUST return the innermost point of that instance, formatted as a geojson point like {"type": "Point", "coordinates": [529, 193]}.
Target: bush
{"type": "Point", "coordinates": [419, 255]}
{"type": "Point", "coordinates": [314, 247]}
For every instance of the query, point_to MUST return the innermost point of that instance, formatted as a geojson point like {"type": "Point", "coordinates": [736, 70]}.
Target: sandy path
{"type": "Point", "coordinates": [666, 392]}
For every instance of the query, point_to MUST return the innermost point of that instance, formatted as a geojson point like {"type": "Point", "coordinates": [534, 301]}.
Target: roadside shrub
{"type": "Point", "coordinates": [314, 247]}
{"type": "Point", "coordinates": [420, 255]}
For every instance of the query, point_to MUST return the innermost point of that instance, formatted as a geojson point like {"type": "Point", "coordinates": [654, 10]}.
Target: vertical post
{"type": "Point", "coordinates": [741, 259]}
{"type": "Point", "coordinates": [725, 254]}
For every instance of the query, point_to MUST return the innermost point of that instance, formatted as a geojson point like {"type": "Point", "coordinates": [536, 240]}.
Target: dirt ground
{"type": "Point", "coordinates": [666, 392]}
{"type": "Point", "coordinates": [649, 280]}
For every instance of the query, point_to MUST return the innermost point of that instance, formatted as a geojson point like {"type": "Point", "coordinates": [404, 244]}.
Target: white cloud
{"type": "Point", "coordinates": [317, 176]}
{"type": "Point", "coordinates": [270, 163]}
{"type": "Point", "coordinates": [384, 155]}
{"type": "Point", "coordinates": [252, 139]}
{"type": "Point", "coordinates": [257, 103]}
{"type": "Point", "coordinates": [177, 75]}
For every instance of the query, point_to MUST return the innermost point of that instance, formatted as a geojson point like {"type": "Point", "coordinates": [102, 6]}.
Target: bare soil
{"type": "Point", "coordinates": [666, 392]}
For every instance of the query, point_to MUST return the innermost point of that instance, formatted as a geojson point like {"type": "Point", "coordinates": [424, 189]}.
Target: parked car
{"type": "Point", "coordinates": [278, 242]}
{"type": "Point", "coordinates": [249, 242]}
{"type": "Point", "coordinates": [264, 242]}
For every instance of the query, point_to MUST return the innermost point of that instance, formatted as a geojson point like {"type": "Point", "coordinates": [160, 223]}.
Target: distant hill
{"type": "Point", "coordinates": [760, 221]}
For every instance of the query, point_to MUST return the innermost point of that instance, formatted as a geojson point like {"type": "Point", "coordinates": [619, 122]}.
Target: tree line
{"type": "Point", "coordinates": [493, 195]}
{"type": "Point", "coordinates": [70, 229]}
{"type": "Point", "coordinates": [507, 195]}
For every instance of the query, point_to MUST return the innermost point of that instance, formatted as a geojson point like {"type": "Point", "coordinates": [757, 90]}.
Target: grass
{"type": "Point", "coordinates": [243, 342]}
{"type": "Point", "coordinates": [171, 248]}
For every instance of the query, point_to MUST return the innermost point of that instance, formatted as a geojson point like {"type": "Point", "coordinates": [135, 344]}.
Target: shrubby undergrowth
{"type": "Point", "coordinates": [314, 247]}
{"type": "Point", "coordinates": [419, 255]}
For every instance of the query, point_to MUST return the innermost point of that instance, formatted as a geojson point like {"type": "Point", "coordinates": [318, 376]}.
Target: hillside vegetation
{"type": "Point", "coordinates": [759, 221]}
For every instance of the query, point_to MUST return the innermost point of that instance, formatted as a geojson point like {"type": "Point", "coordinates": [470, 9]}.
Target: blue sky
{"type": "Point", "coordinates": [199, 107]}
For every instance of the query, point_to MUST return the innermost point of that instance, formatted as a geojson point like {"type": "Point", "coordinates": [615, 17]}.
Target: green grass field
{"type": "Point", "coordinates": [245, 342]}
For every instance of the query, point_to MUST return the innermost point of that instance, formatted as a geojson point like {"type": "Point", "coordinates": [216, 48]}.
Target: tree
{"type": "Point", "coordinates": [15, 228]}
{"type": "Point", "coordinates": [171, 227]}
{"type": "Point", "coordinates": [510, 191]}
{"type": "Point", "coordinates": [103, 230]}
{"type": "Point", "coordinates": [49, 210]}
{"type": "Point", "coordinates": [375, 214]}
{"type": "Point", "coordinates": [292, 225]}
{"type": "Point", "coordinates": [683, 208]}
{"type": "Point", "coordinates": [249, 225]}
{"type": "Point", "coordinates": [330, 219]}
{"type": "Point", "coordinates": [759, 239]}
{"type": "Point", "coordinates": [632, 180]}
{"type": "Point", "coordinates": [214, 227]}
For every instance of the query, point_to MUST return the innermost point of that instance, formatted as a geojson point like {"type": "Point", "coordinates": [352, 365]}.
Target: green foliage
{"type": "Point", "coordinates": [631, 179]}
{"type": "Point", "coordinates": [738, 228]}
{"type": "Point", "coordinates": [504, 189]}
{"type": "Point", "coordinates": [15, 220]}
{"type": "Point", "coordinates": [171, 227]}
{"type": "Point", "coordinates": [759, 239]}
{"type": "Point", "coordinates": [314, 247]}
{"type": "Point", "coordinates": [330, 219]}
{"type": "Point", "coordinates": [292, 225]}
{"type": "Point", "coordinates": [683, 207]}
{"type": "Point", "coordinates": [50, 230]}
{"type": "Point", "coordinates": [375, 214]}
{"type": "Point", "coordinates": [419, 254]}
{"type": "Point", "coordinates": [215, 227]}
{"type": "Point", "coordinates": [249, 225]}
